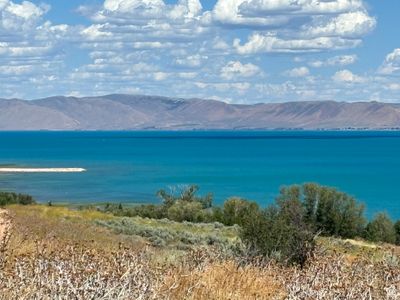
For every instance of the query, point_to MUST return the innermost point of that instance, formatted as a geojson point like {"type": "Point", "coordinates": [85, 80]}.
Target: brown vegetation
{"type": "Point", "coordinates": [53, 253]}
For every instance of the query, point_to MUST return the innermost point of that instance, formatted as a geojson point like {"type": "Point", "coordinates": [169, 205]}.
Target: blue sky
{"type": "Point", "coordinates": [238, 51]}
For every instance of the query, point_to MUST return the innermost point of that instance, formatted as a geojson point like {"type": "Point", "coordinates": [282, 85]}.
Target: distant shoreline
{"type": "Point", "coordinates": [42, 170]}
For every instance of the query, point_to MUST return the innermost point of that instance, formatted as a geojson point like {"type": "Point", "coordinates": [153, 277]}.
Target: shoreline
{"type": "Point", "coordinates": [42, 170]}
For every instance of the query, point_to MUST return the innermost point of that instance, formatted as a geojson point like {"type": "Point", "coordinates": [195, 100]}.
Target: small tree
{"type": "Point", "coordinates": [381, 229]}
{"type": "Point", "coordinates": [7, 198]}
{"type": "Point", "coordinates": [237, 210]}
{"type": "Point", "coordinates": [329, 211]}
{"type": "Point", "coordinates": [280, 232]}
{"type": "Point", "coordinates": [184, 194]}
{"type": "Point", "coordinates": [185, 211]}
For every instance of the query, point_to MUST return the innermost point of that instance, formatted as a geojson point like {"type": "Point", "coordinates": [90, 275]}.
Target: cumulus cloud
{"type": "Point", "coordinates": [296, 25]}
{"type": "Point", "coordinates": [391, 65]}
{"type": "Point", "coordinates": [235, 70]}
{"type": "Point", "coordinates": [181, 49]}
{"type": "Point", "coordinates": [28, 44]}
{"type": "Point", "coordinates": [346, 76]}
{"type": "Point", "coordinates": [298, 72]}
{"type": "Point", "coordinates": [19, 17]}
{"type": "Point", "coordinates": [150, 8]}
{"type": "Point", "coordinates": [266, 13]}
{"type": "Point", "coordinates": [346, 25]}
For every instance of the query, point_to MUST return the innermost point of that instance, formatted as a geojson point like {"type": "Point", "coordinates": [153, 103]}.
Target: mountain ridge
{"type": "Point", "coordinates": [140, 112]}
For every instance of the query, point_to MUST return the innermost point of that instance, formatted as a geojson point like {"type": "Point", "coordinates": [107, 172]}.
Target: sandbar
{"type": "Point", "coordinates": [41, 170]}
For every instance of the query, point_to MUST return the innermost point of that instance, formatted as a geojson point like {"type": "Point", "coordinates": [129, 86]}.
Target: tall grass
{"type": "Point", "coordinates": [57, 257]}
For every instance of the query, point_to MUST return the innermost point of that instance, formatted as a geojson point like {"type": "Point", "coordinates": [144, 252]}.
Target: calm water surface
{"type": "Point", "coordinates": [132, 166]}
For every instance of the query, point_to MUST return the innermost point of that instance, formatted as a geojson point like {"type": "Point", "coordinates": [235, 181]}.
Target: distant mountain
{"type": "Point", "coordinates": [126, 112]}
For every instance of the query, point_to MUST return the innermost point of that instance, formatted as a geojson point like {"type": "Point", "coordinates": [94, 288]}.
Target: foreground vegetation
{"type": "Point", "coordinates": [285, 230]}
{"type": "Point", "coordinates": [63, 252]}
{"type": "Point", "coordinates": [312, 243]}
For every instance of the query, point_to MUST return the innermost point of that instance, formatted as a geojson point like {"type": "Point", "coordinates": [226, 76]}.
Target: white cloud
{"type": "Point", "coordinates": [96, 32]}
{"type": "Point", "coordinates": [279, 12]}
{"type": "Point", "coordinates": [220, 44]}
{"type": "Point", "coordinates": [187, 75]}
{"type": "Point", "coordinates": [298, 72]}
{"type": "Point", "coordinates": [191, 61]}
{"type": "Point", "coordinates": [229, 12]}
{"type": "Point", "coordinates": [160, 76]}
{"type": "Point", "coordinates": [341, 60]}
{"type": "Point", "coordinates": [347, 25]}
{"type": "Point", "coordinates": [296, 25]}
{"type": "Point", "coordinates": [26, 10]}
{"type": "Point", "coordinates": [235, 69]}
{"type": "Point", "coordinates": [259, 43]}
{"type": "Point", "coordinates": [17, 19]}
{"type": "Point", "coordinates": [394, 86]}
{"type": "Point", "coordinates": [128, 5]}
{"type": "Point", "coordinates": [180, 49]}
{"type": "Point", "coordinates": [16, 70]}
{"type": "Point", "coordinates": [223, 87]}
{"type": "Point", "coordinates": [140, 11]}
{"type": "Point", "coordinates": [346, 76]}
{"type": "Point", "coordinates": [29, 50]}
{"type": "Point", "coordinates": [150, 8]}
{"type": "Point", "coordinates": [299, 7]}
{"type": "Point", "coordinates": [391, 64]}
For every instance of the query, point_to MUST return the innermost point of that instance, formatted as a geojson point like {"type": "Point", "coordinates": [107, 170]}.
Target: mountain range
{"type": "Point", "coordinates": [137, 112]}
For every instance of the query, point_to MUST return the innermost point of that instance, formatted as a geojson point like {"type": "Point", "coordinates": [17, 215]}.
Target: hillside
{"type": "Point", "coordinates": [125, 112]}
{"type": "Point", "coordinates": [56, 250]}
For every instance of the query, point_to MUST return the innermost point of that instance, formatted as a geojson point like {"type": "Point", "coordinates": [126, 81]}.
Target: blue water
{"type": "Point", "coordinates": [132, 166]}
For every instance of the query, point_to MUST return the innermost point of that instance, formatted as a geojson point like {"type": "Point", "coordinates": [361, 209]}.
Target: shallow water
{"type": "Point", "coordinates": [132, 166]}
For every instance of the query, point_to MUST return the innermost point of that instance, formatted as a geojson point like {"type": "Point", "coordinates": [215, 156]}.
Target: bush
{"type": "Point", "coordinates": [184, 194]}
{"type": "Point", "coordinates": [381, 229]}
{"type": "Point", "coordinates": [185, 211]}
{"type": "Point", "coordinates": [237, 210]}
{"type": "Point", "coordinates": [279, 232]}
{"type": "Point", "coordinates": [331, 212]}
{"type": "Point", "coordinates": [13, 198]}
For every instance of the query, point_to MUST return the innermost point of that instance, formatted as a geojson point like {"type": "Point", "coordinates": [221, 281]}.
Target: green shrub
{"type": "Point", "coordinates": [184, 194]}
{"type": "Point", "coordinates": [166, 232]}
{"type": "Point", "coordinates": [185, 211]}
{"type": "Point", "coordinates": [279, 232]}
{"type": "Point", "coordinates": [237, 210]}
{"type": "Point", "coordinates": [331, 212]}
{"type": "Point", "coordinates": [381, 229]}
{"type": "Point", "coordinates": [13, 198]}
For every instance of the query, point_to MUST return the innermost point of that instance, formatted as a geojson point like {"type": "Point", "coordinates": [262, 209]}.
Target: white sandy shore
{"type": "Point", "coordinates": [41, 170]}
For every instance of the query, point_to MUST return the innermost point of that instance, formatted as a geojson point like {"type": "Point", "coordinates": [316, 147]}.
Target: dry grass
{"type": "Point", "coordinates": [223, 280]}
{"type": "Point", "coordinates": [60, 254]}
{"type": "Point", "coordinates": [59, 227]}
{"type": "Point", "coordinates": [78, 273]}
{"type": "Point", "coordinates": [335, 277]}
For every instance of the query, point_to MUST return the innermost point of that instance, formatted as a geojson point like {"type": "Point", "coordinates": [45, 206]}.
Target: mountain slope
{"type": "Point", "coordinates": [127, 112]}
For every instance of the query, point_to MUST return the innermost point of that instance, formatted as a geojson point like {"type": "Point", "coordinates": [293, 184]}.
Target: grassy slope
{"type": "Point", "coordinates": [63, 251]}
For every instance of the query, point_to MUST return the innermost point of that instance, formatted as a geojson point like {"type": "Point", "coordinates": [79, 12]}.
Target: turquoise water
{"type": "Point", "coordinates": [132, 166]}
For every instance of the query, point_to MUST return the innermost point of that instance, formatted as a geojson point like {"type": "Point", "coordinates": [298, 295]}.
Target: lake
{"type": "Point", "coordinates": [132, 166]}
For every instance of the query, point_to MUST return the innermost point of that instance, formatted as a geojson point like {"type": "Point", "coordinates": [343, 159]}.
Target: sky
{"type": "Point", "coordinates": [237, 51]}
